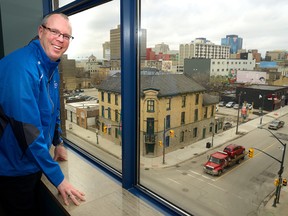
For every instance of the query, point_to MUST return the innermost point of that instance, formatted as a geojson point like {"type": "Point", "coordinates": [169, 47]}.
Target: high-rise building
{"type": "Point", "coordinates": [115, 48]}
{"type": "Point", "coordinates": [106, 50]}
{"type": "Point", "coordinates": [234, 42]}
{"type": "Point", "coordinates": [201, 48]}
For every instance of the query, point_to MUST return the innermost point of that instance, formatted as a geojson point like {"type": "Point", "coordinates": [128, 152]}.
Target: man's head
{"type": "Point", "coordinates": [55, 35]}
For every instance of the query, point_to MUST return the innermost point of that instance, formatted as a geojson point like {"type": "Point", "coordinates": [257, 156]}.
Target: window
{"type": "Point", "coordinates": [109, 113]}
{"type": "Point", "coordinates": [109, 97]}
{"type": "Point", "coordinates": [150, 106]}
{"type": "Point", "coordinates": [103, 111]}
{"type": "Point", "coordinates": [182, 118]}
{"type": "Point", "coordinates": [167, 121]}
{"type": "Point", "coordinates": [102, 96]}
{"type": "Point", "coordinates": [97, 56]}
{"type": "Point", "coordinates": [205, 112]}
{"type": "Point", "coordinates": [195, 131]}
{"type": "Point", "coordinates": [116, 99]}
{"type": "Point", "coordinates": [183, 101]}
{"type": "Point", "coordinates": [196, 99]}
{"type": "Point", "coordinates": [182, 136]}
{"type": "Point", "coordinates": [150, 22]}
{"type": "Point", "coordinates": [168, 106]}
{"type": "Point", "coordinates": [117, 114]}
{"type": "Point", "coordinates": [196, 115]}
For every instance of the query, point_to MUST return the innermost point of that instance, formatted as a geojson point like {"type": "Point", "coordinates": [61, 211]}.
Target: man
{"type": "Point", "coordinates": [29, 119]}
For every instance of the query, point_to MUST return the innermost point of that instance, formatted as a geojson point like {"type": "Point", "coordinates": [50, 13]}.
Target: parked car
{"type": "Point", "coordinates": [221, 104]}
{"type": "Point", "coordinates": [234, 150]}
{"type": "Point", "coordinates": [230, 104]}
{"type": "Point", "coordinates": [276, 124]}
{"type": "Point", "coordinates": [236, 106]}
{"type": "Point", "coordinates": [227, 125]}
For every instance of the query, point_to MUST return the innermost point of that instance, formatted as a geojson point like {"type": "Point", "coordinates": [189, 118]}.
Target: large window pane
{"type": "Point", "coordinates": [194, 50]}
{"type": "Point", "coordinates": [90, 69]}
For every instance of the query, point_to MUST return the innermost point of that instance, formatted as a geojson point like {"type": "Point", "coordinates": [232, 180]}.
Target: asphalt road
{"type": "Point", "coordinates": [239, 191]}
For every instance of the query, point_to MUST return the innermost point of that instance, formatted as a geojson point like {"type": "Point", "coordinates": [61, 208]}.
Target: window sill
{"type": "Point", "coordinates": [104, 195]}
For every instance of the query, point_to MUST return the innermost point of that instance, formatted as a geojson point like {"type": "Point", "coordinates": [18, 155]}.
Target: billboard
{"type": "Point", "coordinates": [252, 77]}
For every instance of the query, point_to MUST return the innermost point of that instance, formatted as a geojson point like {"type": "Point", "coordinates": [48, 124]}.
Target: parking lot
{"type": "Point", "coordinates": [230, 114]}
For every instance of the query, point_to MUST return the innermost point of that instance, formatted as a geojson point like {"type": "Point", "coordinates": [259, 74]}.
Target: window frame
{"type": "Point", "coordinates": [130, 107]}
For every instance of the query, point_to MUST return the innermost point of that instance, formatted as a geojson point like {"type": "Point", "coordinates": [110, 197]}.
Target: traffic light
{"type": "Point", "coordinates": [284, 182]}
{"type": "Point", "coordinates": [160, 143]}
{"type": "Point", "coordinates": [251, 153]}
{"type": "Point", "coordinates": [105, 129]}
{"type": "Point", "coordinates": [171, 133]}
{"type": "Point", "coordinates": [276, 182]}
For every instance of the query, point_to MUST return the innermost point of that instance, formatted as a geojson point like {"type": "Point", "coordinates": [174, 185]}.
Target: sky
{"type": "Point", "coordinates": [262, 24]}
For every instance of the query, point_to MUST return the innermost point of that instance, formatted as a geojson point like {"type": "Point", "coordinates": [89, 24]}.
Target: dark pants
{"type": "Point", "coordinates": [19, 195]}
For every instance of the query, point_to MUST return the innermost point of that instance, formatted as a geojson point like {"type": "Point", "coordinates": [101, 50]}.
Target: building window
{"type": "Point", "coordinates": [183, 101]}
{"type": "Point", "coordinates": [182, 136]}
{"type": "Point", "coordinates": [150, 106]}
{"type": "Point", "coordinates": [109, 113]}
{"type": "Point", "coordinates": [182, 118]}
{"type": "Point", "coordinates": [168, 105]}
{"type": "Point", "coordinates": [167, 121]}
{"type": "Point", "coordinates": [196, 115]}
{"type": "Point", "coordinates": [197, 99]}
{"type": "Point", "coordinates": [109, 97]}
{"type": "Point", "coordinates": [195, 131]}
{"type": "Point", "coordinates": [116, 99]}
{"type": "Point", "coordinates": [102, 96]}
{"type": "Point", "coordinates": [102, 111]}
{"type": "Point", "coordinates": [117, 114]}
{"type": "Point", "coordinates": [205, 112]}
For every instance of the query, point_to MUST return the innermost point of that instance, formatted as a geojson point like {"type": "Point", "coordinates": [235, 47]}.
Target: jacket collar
{"type": "Point", "coordinates": [46, 62]}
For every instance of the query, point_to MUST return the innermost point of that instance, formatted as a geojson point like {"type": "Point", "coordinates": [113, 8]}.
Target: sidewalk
{"type": "Point", "coordinates": [195, 149]}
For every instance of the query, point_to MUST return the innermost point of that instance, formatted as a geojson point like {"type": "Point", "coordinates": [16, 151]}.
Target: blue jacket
{"type": "Point", "coordinates": [29, 113]}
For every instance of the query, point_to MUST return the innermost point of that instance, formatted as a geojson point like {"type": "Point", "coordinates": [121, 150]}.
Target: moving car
{"type": "Point", "coordinates": [276, 124]}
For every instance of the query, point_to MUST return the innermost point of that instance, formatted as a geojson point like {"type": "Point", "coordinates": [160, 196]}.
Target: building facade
{"type": "Point", "coordinates": [165, 106]}
{"type": "Point", "coordinates": [203, 69]}
{"type": "Point", "coordinates": [201, 48]}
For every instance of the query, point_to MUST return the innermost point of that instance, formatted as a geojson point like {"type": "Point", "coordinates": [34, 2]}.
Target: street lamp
{"type": "Point", "coordinates": [97, 140]}
{"type": "Point", "coordinates": [212, 125]}
{"type": "Point", "coordinates": [278, 187]}
{"type": "Point", "coordinates": [239, 101]}
{"type": "Point", "coordinates": [262, 107]}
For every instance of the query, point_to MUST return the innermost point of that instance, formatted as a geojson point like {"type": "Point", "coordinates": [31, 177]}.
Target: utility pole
{"type": "Point", "coordinates": [164, 141]}
{"type": "Point", "coordinates": [278, 187]}
{"type": "Point", "coordinates": [239, 100]}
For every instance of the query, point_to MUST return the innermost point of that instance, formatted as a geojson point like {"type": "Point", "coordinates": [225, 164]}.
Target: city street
{"type": "Point", "coordinates": [241, 190]}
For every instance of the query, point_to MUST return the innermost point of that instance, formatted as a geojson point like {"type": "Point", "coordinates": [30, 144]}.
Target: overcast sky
{"type": "Point", "coordinates": [263, 24]}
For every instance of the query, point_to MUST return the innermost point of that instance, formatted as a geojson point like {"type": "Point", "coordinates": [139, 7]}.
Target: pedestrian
{"type": "Point", "coordinates": [30, 120]}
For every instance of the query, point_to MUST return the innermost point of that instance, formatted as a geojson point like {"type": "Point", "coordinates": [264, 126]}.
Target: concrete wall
{"type": "Point", "coordinates": [19, 21]}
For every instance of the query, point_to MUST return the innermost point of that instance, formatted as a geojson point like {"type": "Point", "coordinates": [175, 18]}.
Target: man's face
{"type": "Point", "coordinates": [54, 44]}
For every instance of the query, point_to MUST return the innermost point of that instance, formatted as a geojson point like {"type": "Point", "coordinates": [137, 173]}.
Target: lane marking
{"type": "Point", "coordinates": [174, 181]}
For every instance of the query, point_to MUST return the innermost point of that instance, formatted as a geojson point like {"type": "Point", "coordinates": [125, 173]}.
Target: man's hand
{"type": "Point", "coordinates": [67, 192]}
{"type": "Point", "coordinates": [60, 153]}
